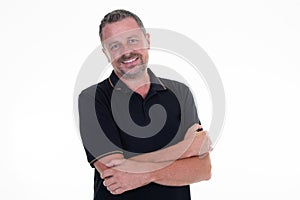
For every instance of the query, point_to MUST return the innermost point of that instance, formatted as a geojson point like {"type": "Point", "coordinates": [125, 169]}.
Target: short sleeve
{"type": "Point", "coordinates": [188, 109]}
{"type": "Point", "coordinates": [190, 115]}
{"type": "Point", "coordinates": [99, 133]}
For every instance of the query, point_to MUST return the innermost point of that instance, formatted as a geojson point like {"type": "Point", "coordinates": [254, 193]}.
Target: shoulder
{"type": "Point", "coordinates": [175, 86]}
{"type": "Point", "coordinates": [90, 91]}
{"type": "Point", "coordinates": [97, 91]}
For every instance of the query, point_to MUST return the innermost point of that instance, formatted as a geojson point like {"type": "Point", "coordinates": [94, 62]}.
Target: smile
{"type": "Point", "coordinates": [130, 60]}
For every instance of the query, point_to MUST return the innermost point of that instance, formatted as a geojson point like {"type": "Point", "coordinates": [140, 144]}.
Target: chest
{"type": "Point", "coordinates": [147, 124]}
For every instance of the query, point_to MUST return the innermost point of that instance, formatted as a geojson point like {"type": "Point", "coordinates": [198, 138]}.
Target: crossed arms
{"type": "Point", "coordinates": [181, 164]}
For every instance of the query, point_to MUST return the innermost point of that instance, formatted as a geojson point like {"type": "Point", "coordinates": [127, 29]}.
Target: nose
{"type": "Point", "coordinates": [126, 54]}
{"type": "Point", "coordinates": [126, 50]}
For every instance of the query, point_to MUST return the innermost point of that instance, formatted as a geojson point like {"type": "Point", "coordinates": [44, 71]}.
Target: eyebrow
{"type": "Point", "coordinates": [133, 36]}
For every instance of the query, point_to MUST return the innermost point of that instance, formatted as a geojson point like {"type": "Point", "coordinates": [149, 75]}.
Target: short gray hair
{"type": "Point", "coordinates": [118, 15]}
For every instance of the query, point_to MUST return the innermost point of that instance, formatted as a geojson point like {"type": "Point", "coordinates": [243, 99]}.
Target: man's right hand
{"type": "Point", "coordinates": [100, 164]}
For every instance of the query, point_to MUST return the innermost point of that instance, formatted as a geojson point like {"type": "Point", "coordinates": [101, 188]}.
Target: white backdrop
{"type": "Point", "coordinates": [254, 44]}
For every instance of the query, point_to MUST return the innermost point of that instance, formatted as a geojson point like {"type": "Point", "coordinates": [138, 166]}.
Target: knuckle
{"type": "Point", "coordinates": [119, 191]}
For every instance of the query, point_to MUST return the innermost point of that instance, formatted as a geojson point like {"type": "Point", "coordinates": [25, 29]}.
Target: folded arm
{"type": "Point", "coordinates": [178, 173]}
{"type": "Point", "coordinates": [181, 164]}
{"type": "Point", "coordinates": [194, 144]}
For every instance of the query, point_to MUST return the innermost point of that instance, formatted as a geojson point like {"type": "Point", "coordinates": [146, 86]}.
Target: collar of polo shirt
{"type": "Point", "coordinates": [156, 83]}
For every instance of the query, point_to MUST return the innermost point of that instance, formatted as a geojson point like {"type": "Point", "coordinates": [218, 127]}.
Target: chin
{"type": "Point", "coordinates": [134, 71]}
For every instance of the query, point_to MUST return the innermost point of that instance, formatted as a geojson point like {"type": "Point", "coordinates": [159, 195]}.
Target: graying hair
{"type": "Point", "coordinates": [118, 15]}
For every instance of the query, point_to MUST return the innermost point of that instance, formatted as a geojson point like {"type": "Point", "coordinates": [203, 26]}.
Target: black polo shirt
{"type": "Point", "coordinates": [114, 119]}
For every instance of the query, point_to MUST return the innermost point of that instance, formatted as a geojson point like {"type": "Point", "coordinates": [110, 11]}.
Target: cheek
{"type": "Point", "coordinates": [142, 52]}
{"type": "Point", "coordinates": [145, 57]}
{"type": "Point", "coordinates": [114, 58]}
{"type": "Point", "coordinates": [115, 64]}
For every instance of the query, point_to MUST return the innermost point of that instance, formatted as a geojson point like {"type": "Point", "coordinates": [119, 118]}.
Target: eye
{"type": "Point", "coordinates": [133, 41]}
{"type": "Point", "coordinates": [114, 47]}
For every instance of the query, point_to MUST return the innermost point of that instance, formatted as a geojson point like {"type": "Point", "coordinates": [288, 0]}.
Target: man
{"type": "Point", "coordinates": [139, 150]}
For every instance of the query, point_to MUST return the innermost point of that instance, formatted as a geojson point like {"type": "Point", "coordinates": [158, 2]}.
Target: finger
{"type": "Point", "coordinates": [109, 181]}
{"type": "Point", "coordinates": [201, 134]}
{"type": "Point", "coordinates": [118, 191]}
{"type": "Point", "coordinates": [108, 173]}
{"type": "Point", "coordinates": [111, 163]}
{"type": "Point", "coordinates": [206, 146]}
{"type": "Point", "coordinates": [115, 162]}
{"type": "Point", "coordinates": [208, 143]}
{"type": "Point", "coordinates": [191, 131]}
{"type": "Point", "coordinates": [113, 187]}
{"type": "Point", "coordinates": [196, 127]}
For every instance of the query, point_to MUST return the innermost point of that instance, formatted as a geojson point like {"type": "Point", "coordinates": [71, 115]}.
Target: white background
{"type": "Point", "coordinates": [254, 44]}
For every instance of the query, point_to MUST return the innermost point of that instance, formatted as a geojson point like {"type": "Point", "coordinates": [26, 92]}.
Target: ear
{"type": "Point", "coordinates": [148, 40]}
{"type": "Point", "coordinates": [106, 54]}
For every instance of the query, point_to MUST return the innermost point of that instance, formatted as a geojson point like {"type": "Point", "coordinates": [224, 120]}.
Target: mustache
{"type": "Point", "coordinates": [131, 55]}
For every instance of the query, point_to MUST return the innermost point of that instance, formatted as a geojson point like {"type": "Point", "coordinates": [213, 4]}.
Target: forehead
{"type": "Point", "coordinates": [122, 27]}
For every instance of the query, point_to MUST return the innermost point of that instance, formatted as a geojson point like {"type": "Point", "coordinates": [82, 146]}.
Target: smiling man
{"type": "Point", "coordinates": [136, 156]}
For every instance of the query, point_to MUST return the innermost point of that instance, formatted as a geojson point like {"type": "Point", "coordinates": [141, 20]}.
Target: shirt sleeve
{"type": "Point", "coordinates": [188, 109]}
{"type": "Point", "coordinates": [99, 133]}
{"type": "Point", "coordinates": [190, 115]}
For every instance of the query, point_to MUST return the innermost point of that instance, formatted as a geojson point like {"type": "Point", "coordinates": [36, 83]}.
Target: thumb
{"type": "Point", "coordinates": [194, 127]}
{"type": "Point", "coordinates": [115, 162]}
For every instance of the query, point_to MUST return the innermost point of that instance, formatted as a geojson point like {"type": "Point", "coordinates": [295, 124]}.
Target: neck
{"type": "Point", "coordinates": [139, 84]}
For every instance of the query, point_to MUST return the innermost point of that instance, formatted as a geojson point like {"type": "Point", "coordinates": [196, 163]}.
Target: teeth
{"type": "Point", "coordinates": [129, 61]}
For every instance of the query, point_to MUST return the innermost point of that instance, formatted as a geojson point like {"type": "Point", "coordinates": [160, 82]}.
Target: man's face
{"type": "Point", "coordinates": [126, 47]}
